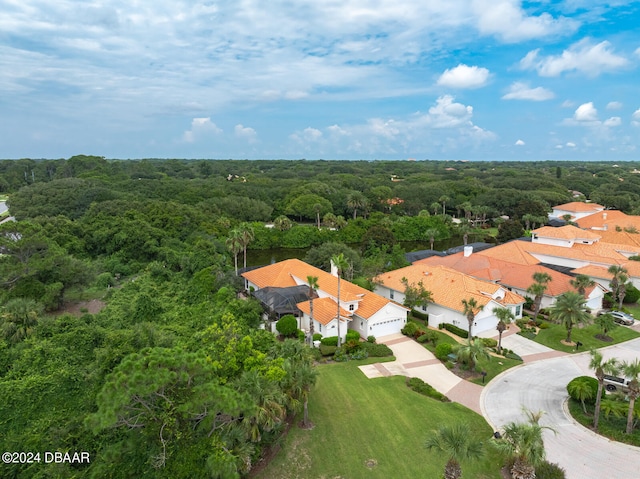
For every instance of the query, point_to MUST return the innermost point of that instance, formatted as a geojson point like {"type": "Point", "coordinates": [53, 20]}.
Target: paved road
{"type": "Point", "coordinates": [541, 385]}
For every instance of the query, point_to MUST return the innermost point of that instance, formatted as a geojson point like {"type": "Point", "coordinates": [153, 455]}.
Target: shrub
{"type": "Point", "coordinates": [544, 325]}
{"type": "Point", "coordinates": [527, 334]}
{"type": "Point", "coordinates": [522, 322]}
{"type": "Point", "coordinates": [317, 336]}
{"type": "Point", "coordinates": [340, 355]}
{"type": "Point", "coordinates": [287, 325]}
{"type": "Point", "coordinates": [512, 355]}
{"type": "Point", "coordinates": [489, 342]}
{"type": "Point", "coordinates": [573, 387]}
{"type": "Point", "coordinates": [409, 329]}
{"type": "Point", "coordinates": [549, 470]}
{"type": "Point", "coordinates": [423, 338]}
{"type": "Point", "coordinates": [301, 335]}
{"type": "Point", "coordinates": [327, 350]}
{"type": "Point", "coordinates": [351, 346]}
{"type": "Point", "coordinates": [359, 354]}
{"type": "Point", "coordinates": [330, 341]}
{"type": "Point", "coordinates": [352, 335]}
{"type": "Point", "coordinates": [371, 339]}
{"type": "Point", "coordinates": [419, 315]}
{"type": "Point", "coordinates": [442, 351]}
{"type": "Point", "coordinates": [419, 386]}
{"type": "Point", "coordinates": [377, 350]}
{"type": "Point", "coordinates": [104, 280]}
{"type": "Point", "coordinates": [632, 294]}
{"type": "Point", "coordinates": [456, 330]}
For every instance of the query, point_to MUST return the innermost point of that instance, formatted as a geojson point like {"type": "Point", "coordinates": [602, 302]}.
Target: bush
{"type": "Point", "coordinates": [317, 336]}
{"type": "Point", "coordinates": [632, 294]}
{"type": "Point", "coordinates": [377, 350]}
{"type": "Point", "coordinates": [352, 335]}
{"type": "Point", "coordinates": [522, 322]}
{"type": "Point", "coordinates": [326, 350]}
{"type": "Point", "coordinates": [371, 339]}
{"type": "Point", "coordinates": [419, 315]}
{"type": "Point", "coordinates": [340, 355]}
{"type": "Point", "coordinates": [489, 342]}
{"type": "Point", "coordinates": [329, 341]}
{"type": "Point", "coordinates": [573, 387]}
{"type": "Point", "coordinates": [544, 325]}
{"type": "Point", "coordinates": [512, 355]}
{"type": "Point", "coordinates": [442, 351]}
{"type": "Point", "coordinates": [419, 386]}
{"type": "Point", "coordinates": [359, 354]}
{"type": "Point", "coordinates": [456, 330]}
{"type": "Point", "coordinates": [287, 325]}
{"type": "Point", "coordinates": [423, 338]}
{"type": "Point", "coordinates": [301, 335]}
{"type": "Point", "coordinates": [549, 470]}
{"type": "Point", "coordinates": [527, 334]}
{"type": "Point", "coordinates": [351, 346]}
{"type": "Point", "coordinates": [409, 329]}
{"type": "Point", "coordinates": [104, 280]}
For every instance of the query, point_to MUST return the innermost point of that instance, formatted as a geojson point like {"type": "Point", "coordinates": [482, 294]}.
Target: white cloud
{"type": "Point", "coordinates": [464, 76]}
{"type": "Point", "coordinates": [520, 143]}
{"type": "Point", "coordinates": [245, 133]}
{"type": "Point", "coordinates": [583, 57]}
{"type": "Point", "coordinates": [637, 52]}
{"type": "Point", "coordinates": [200, 127]}
{"type": "Point", "coordinates": [614, 105]}
{"type": "Point", "coordinates": [447, 114]}
{"type": "Point", "coordinates": [570, 144]}
{"type": "Point", "coordinates": [567, 104]}
{"type": "Point", "coordinates": [586, 113]}
{"type": "Point", "coordinates": [613, 121]}
{"type": "Point", "coordinates": [635, 118]}
{"type": "Point", "coordinates": [508, 20]}
{"type": "Point", "coordinates": [522, 91]}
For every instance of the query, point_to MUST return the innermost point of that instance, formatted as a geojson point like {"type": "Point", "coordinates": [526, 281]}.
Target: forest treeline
{"type": "Point", "coordinates": [174, 375]}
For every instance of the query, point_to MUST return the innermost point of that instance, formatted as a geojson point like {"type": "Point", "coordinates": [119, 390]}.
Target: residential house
{"type": "Point", "coordinates": [361, 310]}
{"type": "Point", "coordinates": [448, 288]}
{"type": "Point", "coordinates": [576, 209]}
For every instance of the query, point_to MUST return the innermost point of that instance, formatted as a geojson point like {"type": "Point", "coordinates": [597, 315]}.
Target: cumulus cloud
{"type": "Point", "coordinates": [635, 118]}
{"type": "Point", "coordinates": [200, 127]}
{"type": "Point", "coordinates": [520, 143]}
{"type": "Point", "coordinates": [613, 121]}
{"type": "Point", "coordinates": [522, 91]}
{"type": "Point", "coordinates": [583, 57]}
{"type": "Point", "coordinates": [614, 105]}
{"type": "Point", "coordinates": [464, 76]}
{"type": "Point", "coordinates": [246, 133]}
{"type": "Point", "coordinates": [567, 104]}
{"type": "Point", "coordinates": [586, 113]}
{"type": "Point", "coordinates": [508, 20]}
{"type": "Point", "coordinates": [570, 144]}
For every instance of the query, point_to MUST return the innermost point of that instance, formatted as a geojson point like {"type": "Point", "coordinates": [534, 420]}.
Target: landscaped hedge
{"type": "Point", "coordinates": [327, 350]}
{"type": "Point", "coordinates": [419, 315]}
{"type": "Point", "coordinates": [549, 470]}
{"type": "Point", "coordinates": [419, 386]}
{"type": "Point", "coordinates": [489, 342]}
{"type": "Point", "coordinates": [352, 335]}
{"type": "Point", "coordinates": [409, 329]}
{"type": "Point", "coordinates": [377, 350]}
{"type": "Point", "coordinates": [329, 341]}
{"type": "Point", "coordinates": [512, 355]}
{"type": "Point", "coordinates": [442, 351]}
{"type": "Point", "coordinates": [454, 329]}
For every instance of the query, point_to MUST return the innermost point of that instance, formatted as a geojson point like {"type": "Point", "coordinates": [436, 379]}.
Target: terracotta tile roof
{"type": "Point", "coordinates": [324, 310]}
{"type": "Point", "coordinates": [579, 207]}
{"type": "Point", "coordinates": [594, 271]}
{"type": "Point", "coordinates": [447, 286]}
{"type": "Point", "coordinates": [599, 219]}
{"type": "Point", "coordinates": [504, 272]}
{"type": "Point", "coordinates": [513, 251]}
{"type": "Point", "coordinates": [568, 232]}
{"type": "Point", "coordinates": [620, 237]}
{"type": "Point", "coordinates": [285, 273]}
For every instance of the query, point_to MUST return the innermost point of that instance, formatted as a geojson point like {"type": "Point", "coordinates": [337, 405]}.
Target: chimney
{"type": "Point", "coordinates": [467, 251]}
{"type": "Point", "coordinates": [334, 269]}
{"type": "Point", "coordinates": [604, 216]}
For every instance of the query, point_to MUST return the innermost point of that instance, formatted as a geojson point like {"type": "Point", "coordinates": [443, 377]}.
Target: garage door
{"type": "Point", "coordinates": [385, 328]}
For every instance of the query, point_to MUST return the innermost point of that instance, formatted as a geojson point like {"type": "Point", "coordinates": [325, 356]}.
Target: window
{"type": "Point", "coordinates": [424, 307]}
{"type": "Point", "coordinates": [518, 310]}
{"type": "Point", "coordinates": [391, 294]}
{"type": "Point", "coordinates": [320, 329]}
{"type": "Point", "coordinates": [351, 307]}
{"type": "Point", "coordinates": [361, 323]}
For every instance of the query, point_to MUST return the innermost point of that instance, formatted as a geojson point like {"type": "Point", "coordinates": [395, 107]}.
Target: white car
{"type": "Point", "coordinates": [622, 318]}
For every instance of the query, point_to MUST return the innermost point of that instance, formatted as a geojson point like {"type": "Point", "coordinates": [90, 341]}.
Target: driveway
{"type": "Point", "coordinates": [541, 386]}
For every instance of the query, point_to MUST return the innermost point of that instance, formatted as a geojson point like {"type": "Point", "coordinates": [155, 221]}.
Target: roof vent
{"type": "Point", "coordinates": [467, 251]}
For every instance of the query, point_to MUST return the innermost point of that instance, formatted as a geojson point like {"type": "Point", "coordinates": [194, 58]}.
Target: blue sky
{"type": "Point", "coordinates": [332, 79]}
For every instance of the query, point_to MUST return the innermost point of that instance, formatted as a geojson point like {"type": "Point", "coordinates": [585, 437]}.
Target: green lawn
{"type": "Point", "coordinates": [379, 420]}
{"type": "Point", "coordinates": [551, 337]}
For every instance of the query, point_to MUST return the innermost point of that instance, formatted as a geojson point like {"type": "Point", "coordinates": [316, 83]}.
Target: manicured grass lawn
{"type": "Point", "coordinates": [493, 367]}
{"type": "Point", "coordinates": [611, 427]}
{"type": "Point", "coordinates": [379, 420]}
{"type": "Point", "coordinates": [552, 336]}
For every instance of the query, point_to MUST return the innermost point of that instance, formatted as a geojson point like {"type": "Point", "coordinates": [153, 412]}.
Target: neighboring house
{"type": "Point", "coordinates": [361, 310]}
{"type": "Point", "coordinates": [576, 209]}
{"type": "Point", "coordinates": [448, 288]}
{"type": "Point", "coordinates": [560, 249]}
{"type": "Point", "coordinates": [516, 277]}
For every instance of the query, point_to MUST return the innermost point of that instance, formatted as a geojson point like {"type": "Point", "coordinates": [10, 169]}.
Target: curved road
{"type": "Point", "coordinates": [542, 386]}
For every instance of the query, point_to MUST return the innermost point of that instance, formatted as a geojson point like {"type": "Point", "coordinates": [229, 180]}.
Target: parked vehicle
{"type": "Point", "coordinates": [614, 383]}
{"type": "Point", "coordinates": [622, 318]}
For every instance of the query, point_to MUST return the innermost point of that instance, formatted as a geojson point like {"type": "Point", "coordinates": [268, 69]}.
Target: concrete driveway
{"type": "Point", "coordinates": [541, 386]}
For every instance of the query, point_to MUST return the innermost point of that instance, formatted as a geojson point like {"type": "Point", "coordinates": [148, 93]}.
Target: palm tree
{"type": "Point", "coordinates": [464, 229]}
{"type": "Point", "coordinates": [246, 236]}
{"type": "Point", "coordinates": [435, 207]}
{"type": "Point", "coordinates": [538, 288]}
{"type": "Point", "coordinates": [618, 281]}
{"type": "Point", "coordinates": [457, 443]}
{"type": "Point", "coordinates": [505, 316]}
{"type": "Point", "coordinates": [582, 391]}
{"type": "Point", "coordinates": [312, 282]}
{"type": "Point", "coordinates": [601, 367]}
{"type": "Point", "coordinates": [570, 310]}
{"type": "Point", "coordinates": [523, 443]}
{"type": "Point", "coordinates": [631, 370]}
{"type": "Point", "coordinates": [355, 201]}
{"type": "Point", "coordinates": [432, 234]}
{"type": "Point", "coordinates": [341, 263]}
{"type": "Point", "coordinates": [18, 318]}
{"type": "Point", "coordinates": [581, 283]}
{"type": "Point", "coordinates": [528, 219]}
{"type": "Point", "coordinates": [282, 223]}
{"type": "Point", "coordinates": [471, 352]}
{"type": "Point", "coordinates": [470, 308]}
{"type": "Point", "coordinates": [234, 243]}
{"type": "Point", "coordinates": [443, 199]}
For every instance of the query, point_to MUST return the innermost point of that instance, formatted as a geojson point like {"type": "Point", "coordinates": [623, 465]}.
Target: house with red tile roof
{"type": "Point", "coordinates": [515, 276]}
{"type": "Point", "coordinates": [361, 310]}
{"type": "Point", "coordinates": [448, 288]}
{"type": "Point", "coordinates": [576, 209]}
